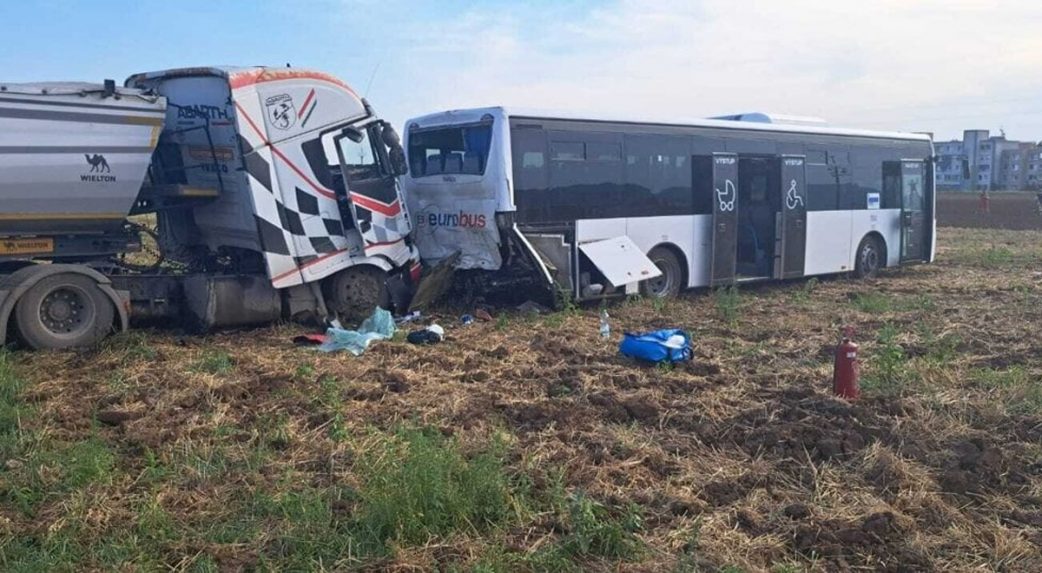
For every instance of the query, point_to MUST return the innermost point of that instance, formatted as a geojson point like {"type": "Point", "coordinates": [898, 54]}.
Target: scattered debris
{"type": "Point", "coordinates": [309, 339]}
{"type": "Point", "coordinates": [668, 345]}
{"type": "Point", "coordinates": [532, 307]}
{"type": "Point", "coordinates": [484, 315]}
{"type": "Point", "coordinates": [379, 326]}
{"type": "Point", "coordinates": [411, 317]}
{"type": "Point", "coordinates": [430, 335]}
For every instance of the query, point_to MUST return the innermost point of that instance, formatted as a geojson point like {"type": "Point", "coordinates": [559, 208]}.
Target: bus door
{"type": "Point", "coordinates": [793, 227]}
{"type": "Point", "coordinates": [913, 211]}
{"type": "Point", "coordinates": [725, 219]}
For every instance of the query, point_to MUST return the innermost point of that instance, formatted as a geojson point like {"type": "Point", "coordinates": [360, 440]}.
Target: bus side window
{"type": "Point", "coordinates": [891, 185]}
{"type": "Point", "coordinates": [868, 175]}
{"type": "Point", "coordinates": [822, 187]}
{"type": "Point", "coordinates": [658, 175]}
{"type": "Point", "coordinates": [702, 184]}
{"type": "Point", "coordinates": [528, 154]}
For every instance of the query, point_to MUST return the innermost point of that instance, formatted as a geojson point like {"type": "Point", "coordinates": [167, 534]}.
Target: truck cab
{"type": "Point", "coordinates": [269, 193]}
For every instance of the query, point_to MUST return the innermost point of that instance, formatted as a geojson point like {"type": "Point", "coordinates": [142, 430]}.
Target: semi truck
{"type": "Point", "coordinates": [214, 196]}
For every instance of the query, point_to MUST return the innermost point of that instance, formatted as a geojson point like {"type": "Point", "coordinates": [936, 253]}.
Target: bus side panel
{"type": "Point", "coordinates": [828, 242]}
{"type": "Point", "coordinates": [886, 222]}
{"type": "Point", "coordinates": [689, 233]}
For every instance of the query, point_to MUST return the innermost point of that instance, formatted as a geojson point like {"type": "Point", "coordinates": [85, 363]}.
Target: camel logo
{"type": "Point", "coordinates": [97, 163]}
{"type": "Point", "coordinates": [99, 170]}
{"type": "Point", "coordinates": [282, 114]}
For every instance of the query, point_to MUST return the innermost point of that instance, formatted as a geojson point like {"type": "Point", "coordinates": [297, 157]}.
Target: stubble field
{"type": "Point", "coordinates": [528, 444]}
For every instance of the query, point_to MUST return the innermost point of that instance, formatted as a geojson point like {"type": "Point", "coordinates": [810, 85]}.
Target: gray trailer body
{"type": "Point", "coordinates": [73, 155]}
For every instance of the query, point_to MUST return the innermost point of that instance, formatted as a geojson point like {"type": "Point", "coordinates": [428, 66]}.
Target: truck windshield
{"type": "Point", "coordinates": [450, 150]}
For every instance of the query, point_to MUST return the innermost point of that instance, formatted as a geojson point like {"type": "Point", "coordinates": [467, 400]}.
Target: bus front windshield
{"type": "Point", "coordinates": [452, 150]}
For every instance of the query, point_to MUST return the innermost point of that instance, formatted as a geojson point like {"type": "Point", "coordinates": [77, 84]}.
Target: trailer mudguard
{"type": "Point", "coordinates": [12, 287]}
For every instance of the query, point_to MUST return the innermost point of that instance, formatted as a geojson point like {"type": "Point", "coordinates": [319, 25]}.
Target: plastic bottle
{"type": "Point", "coordinates": [605, 327]}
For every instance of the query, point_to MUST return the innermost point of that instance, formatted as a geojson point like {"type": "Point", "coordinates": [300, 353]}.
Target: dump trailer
{"type": "Point", "coordinates": [215, 196]}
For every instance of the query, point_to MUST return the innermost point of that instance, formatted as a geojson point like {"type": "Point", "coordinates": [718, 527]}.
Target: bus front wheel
{"type": "Point", "coordinates": [870, 258]}
{"type": "Point", "coordinates": [667, 284]}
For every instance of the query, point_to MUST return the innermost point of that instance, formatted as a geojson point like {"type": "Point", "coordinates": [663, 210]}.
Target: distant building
{"type": "Point", "coordinates": [983, 161]}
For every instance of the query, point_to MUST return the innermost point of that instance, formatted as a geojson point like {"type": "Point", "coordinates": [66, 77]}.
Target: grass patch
{"type": "Point", "coordinates": [1000, 379]}
{"type": "Point", "coordinates": [871, 302]}
{"type": "Point", "coordinates": [214, 362]}
{"type": "Point", "coordinates": [728, 302]}
{"type": "Point", "coordinates": [802, 295]}
{"type": "Point", "coordinates": [1018, 391]}
{"type": "Point", "coordinates": [12, 410]}
{"type": "Point", "coordinates": [887, 365]}
{"type": "Point", "coordinates": [939, 350]}
{"type": "Point", "coordinates": [994, 257]}
{"type": "Point", "coordinates": [133, 344]}
{"type": "Point", "coordinates": [52, 470]}
{"type": "Point", "coordinates": [595, 531]}
{"type": "Point", "coordinates": [417, 485]}
{"type": "Point", "coordinates": [879, 303]}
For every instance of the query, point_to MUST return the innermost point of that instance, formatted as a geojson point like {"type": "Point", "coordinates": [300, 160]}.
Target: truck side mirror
{"type": "Point", "coordinates": [389, 137]}
{"type": "Point", "coordinates": [354, 134]}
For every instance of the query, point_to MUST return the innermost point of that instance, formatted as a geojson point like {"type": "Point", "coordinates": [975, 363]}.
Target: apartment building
{"type": "Point", "coordinates": [984, 161]}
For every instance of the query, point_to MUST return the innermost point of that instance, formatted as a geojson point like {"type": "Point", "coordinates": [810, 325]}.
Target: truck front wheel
{"type": "Point", "coordinates": [64, 311]}
{"type": "Point", "coordinates": [355, 292]}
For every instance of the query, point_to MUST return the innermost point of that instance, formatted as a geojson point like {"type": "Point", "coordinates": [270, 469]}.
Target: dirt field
{"type": "Point", "coordinates": [527, 443]}
{"type": "Point", "coordinates": [1018, 211]}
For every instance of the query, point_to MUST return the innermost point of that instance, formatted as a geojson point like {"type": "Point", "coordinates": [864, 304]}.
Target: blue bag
{"type": "Point", "coordinates": [669, 345]}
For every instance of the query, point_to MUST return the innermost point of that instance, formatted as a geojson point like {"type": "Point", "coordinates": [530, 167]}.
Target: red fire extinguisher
{"type": "Point", "coordinates": [845, 373]}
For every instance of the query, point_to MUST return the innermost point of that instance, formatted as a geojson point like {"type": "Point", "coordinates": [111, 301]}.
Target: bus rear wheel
{"type": "Point", "coordinates": [64, 311]}
{"type": "Point", "coordinates": [667, 284]}
{"type": "Point", "coordinates": [870, 258]}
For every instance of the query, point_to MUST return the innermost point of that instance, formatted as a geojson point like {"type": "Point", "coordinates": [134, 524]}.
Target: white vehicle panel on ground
{"type": "Point", "coordinates": [620, 260]}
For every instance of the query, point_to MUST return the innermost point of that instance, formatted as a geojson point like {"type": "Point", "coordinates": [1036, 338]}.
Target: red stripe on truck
{"type": "Point", "coordinates": [307, 101]}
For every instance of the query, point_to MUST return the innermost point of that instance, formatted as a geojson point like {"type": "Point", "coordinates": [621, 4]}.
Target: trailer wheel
{"type": "Point", "coordinates": [870, 258]}
{"type": "Point", "coordinates": [667, 284]}
{"type": "Point", "coordinates": [64, 311]}
{"type": "Point", "coordinates": [355, 292]}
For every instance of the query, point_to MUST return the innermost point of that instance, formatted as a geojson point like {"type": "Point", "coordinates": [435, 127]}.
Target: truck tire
{"type": "Point", "coordinates": [669, 283]}
{"type": "Point", "coordinates": [356, 291]}
{"type": "Point", "coordinates": [64, 311]}
{"type": "Point", "coordinates": [870, 258]}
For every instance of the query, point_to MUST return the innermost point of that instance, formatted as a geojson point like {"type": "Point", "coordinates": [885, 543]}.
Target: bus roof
{"type": "Point", "coordinates": [474, 114]}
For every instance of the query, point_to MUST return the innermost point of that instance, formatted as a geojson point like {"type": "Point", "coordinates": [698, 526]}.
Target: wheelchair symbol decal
{"type": "Point", "coordinates": [793, 198]}
{"type": "Point", "coordinates": [727, 196]}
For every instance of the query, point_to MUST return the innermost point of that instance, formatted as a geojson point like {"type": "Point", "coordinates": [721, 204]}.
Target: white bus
{"type": "Point", "coordinates": [710, 202]}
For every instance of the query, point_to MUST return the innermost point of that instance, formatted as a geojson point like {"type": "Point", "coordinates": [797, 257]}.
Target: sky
{"type": "Point", "coordinates": [909, 65]}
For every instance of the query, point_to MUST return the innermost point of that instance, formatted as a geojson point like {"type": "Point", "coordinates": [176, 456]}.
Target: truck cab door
{"type": "Point", "coordinates": [724, 244]}
{"type": "Point", "coordinates": [373, 194]}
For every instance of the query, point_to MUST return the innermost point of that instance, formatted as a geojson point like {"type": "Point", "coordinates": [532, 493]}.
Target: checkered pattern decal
{"type": "Point", "coordinates": [299, 227]}
{"type": "Point", "coordinates": [298, 215]}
